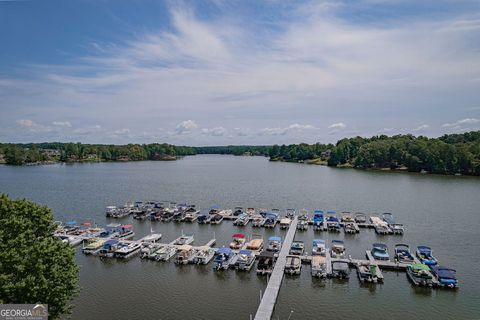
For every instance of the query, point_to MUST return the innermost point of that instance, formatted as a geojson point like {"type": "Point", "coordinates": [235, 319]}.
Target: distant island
{"type": "Point", "coordinates": [448, 154]}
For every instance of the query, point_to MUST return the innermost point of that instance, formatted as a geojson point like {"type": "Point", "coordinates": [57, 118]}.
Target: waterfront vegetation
{"type": "Point", "coordinates": [34, 266]}
{"type": "Point", "coordinates": [448, 154]}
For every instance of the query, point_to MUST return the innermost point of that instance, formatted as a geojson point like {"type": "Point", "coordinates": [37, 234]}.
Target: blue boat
{"type": "Point", "coordinates": [446, 276]}
{"type": "Point", "coordinates": [109, 247]}
{"type": "Point", "coordinates": [274, 244]}
{"type": "Point", "coordinates": [271, 220]}
{"type": "Point", "coordinates": [333, 223]}
{"type": "Point", "coordinates": [318, 220]}
{"type": "Point", "coordinates": [223, 258]}
{"type": "Point", "coordinates": [403, 254]}
{"type": "Point", "coordinates": [203, 217]}
{"type": "Point", "coordinates": [425, 256]}
{"type": "Point", "coordinates": [380, 251]}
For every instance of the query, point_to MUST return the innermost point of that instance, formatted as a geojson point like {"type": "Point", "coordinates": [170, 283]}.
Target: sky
{"type": "Point", "coordinates": [237, 72]}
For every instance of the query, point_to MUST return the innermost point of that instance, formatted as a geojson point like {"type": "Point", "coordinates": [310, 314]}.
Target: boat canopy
{"type": "Point", "coordinates": [318, 211]}
{"type": "Point", "coordinates": [127, 226]}
{"type": "Point", "coordinates": [402, 245]}
{"type": "Point", "coordinates": [318, 241]}
{"type": "Point", "coordinates": [185, 247]}
{"type": "Point", "coordinates": [246, 252]}
{"type": "Point", "coordinates": [340, 265]}
{"type": "Point", "coordinates": [224, 250]}
{"type": "Point", "coordinates": [238, 235]}
{"type": "Point", "coordinates": [424, 249]}
{"type": "Point", "coordinates": [444, 272]}
{"type": "Point", "coordinates": [337, 242]}
{"type": "Point", "coordinates": [71, 222]}
{"type": "Point", "coordinates": [215, 206]}
{"type": "Point", "coordinates": [331, 212]}
{"type": "Point", "coordinates": [272, 215]}
{"type": "Point", "coordinates": [419, 266]}
{"type": "Point", "coordinates": [275, 238]}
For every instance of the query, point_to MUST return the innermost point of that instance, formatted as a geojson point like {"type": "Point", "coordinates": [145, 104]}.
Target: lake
{"type": "Point", "coordinates": [440, 211]}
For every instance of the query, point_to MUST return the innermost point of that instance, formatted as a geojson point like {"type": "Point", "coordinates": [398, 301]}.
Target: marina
{"type": "Point", "coordinates": [304, 294]}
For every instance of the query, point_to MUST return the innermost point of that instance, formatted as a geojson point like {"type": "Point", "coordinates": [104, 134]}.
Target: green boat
{"type": "Point", "coordinates": [420, 274]}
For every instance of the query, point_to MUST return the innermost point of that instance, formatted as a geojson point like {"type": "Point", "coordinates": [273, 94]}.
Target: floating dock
{"type": "Point", "coordinates": [265, 309]}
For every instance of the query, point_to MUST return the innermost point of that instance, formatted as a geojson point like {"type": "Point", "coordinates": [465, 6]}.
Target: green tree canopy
{"type": "Point", "coordinates": [34, 266]}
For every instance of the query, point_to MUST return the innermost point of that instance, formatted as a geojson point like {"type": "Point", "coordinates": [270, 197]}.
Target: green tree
{"type": "Point", "coordinates": [34, 266]}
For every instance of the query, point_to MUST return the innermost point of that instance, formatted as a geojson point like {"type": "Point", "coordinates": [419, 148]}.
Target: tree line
{"type": "Point", "coordinates": [448, 154]}
{"type": "Point", "coordinates": [19, 154]}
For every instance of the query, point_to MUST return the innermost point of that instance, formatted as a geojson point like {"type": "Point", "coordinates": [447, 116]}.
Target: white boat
{"type": "Point", "coordinates": [128, 250]}
{"type": "Point", "coordinates": [319, 266]}
{"type": "Point", "coordinates": [338, 249]}
{"type": "Point", "coordinates": [149, 250]}
{"type": "Point", "coordinates": [285, 223]}
{"type": "Point", "coordinates": [184, 239]}
{"type": "Point", "coordinates": [380, 226]}
{"type": "Point", "coordinates": [108, 249]}
{"type": "Point", "coordinates": [71, 240]}
{"type": "Point", "coordinates": [184, 254]}
{"type": "Point", "coordinates": [245, 260]}
{"type": "Point", "coordinates": [238, 240]}
{"type": "Point", "coordinates": [191, 214]}
{"type": "Point", "coordinates": [318, 247]}
{"type": "Point", "coordinates": [242, 220]}
{"type": "Point", "coordinates": [274, 244]}
{"type": "Point", "coordinates": [204, 255]}
{"type": "Point", "coordinates": [151, 238]}
{"type": "Point", "coordinates": [216, 219]}
{"type": "Point", "coordinates": [165, 253]}
{"type": "Point", "coordinates": [258, 220]}
{"type": "Point", "coordinates": [367, 272]}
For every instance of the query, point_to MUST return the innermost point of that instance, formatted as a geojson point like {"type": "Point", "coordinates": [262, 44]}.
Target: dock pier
{"type": "Point", "coordinates": [269, 298]}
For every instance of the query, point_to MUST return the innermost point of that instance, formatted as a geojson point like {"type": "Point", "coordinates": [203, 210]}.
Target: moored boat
{"type": "Point", "coordinates": [360, 217]}
{"type": "Point", "coordinates": [223, 258]}
{"type": "Point", "coordinates": [337, 249]}
{"type": "Point", "coordinates": [184, 239]}
{"type": "Point", "coordinates": [266, 262]}
{"type": "Point", "coordinates": [285, 223]}
{"type": "Point", "coordinates": [108, 248]}
{"type": "Point", "coordinates": [258, 220]}
{"type": "Point", "coordinates": [424, 254]}
{"type": "Point", "coordinates": [380, 251]}
{"type": "Point", "coordinates": [204, 255]}
{"type": "Point", "coordinates": [403, 254]}
{"type": "Point", "coordinates": [127, 250]}
{"type": "Point", "coordinates": [271, 220]}
{"type": "Point", "coordinates": [340, 269]}
{"type": "Point", "coordinates": [184, 254]}
{"type": "Point", "coordinates": [237, 211]}
{"type": "Point", "coordinates": [238, 240]}
{"type": "Point", "coordinates": [165, 253]}
{"type": "Point", "coordinates": [216, 219]}
{"type": "Point", "coordinates": [420, 274]}
{"type": "Point", "coordinates": [245, 260]}
{"type": "Point", "coordinates": [274, 244]}
{"type": "Point", "coordinates": [93, 245]}
{"type": "Point", "coordinates": [318, 220]}
{"type": "Point", "coordinates": [203, 218]}
{"type": "Point", "coordinates": [318, 247]}
{"type": "Point", "coordinates": [293, 265]}
{"type": "Point", "coordinates": [242, 220]}
{"type": "Point", "coordinates": [297, 248]}
{"type": "Point", "coordinates": [256, 243]}
{"type": "Point", "coordinates": [367, 272]}
{"type": "Point", "coordinates": [446, 277]}
{"type": "Point", "coordinates": [290, 213]}
{"type": "Point", "coordinates": [191, 214]}
{"type": "Point", "coordinates": [319, 266]}
{"type": "Point", "coordinates": [332, 222]}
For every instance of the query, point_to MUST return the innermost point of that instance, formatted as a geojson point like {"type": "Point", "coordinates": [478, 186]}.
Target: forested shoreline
{"type": "Point", "coordinates": [448, 154]}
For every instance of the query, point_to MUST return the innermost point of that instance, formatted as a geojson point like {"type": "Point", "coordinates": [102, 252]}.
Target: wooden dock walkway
{"type": "Point", "coordinates": [269, 298]}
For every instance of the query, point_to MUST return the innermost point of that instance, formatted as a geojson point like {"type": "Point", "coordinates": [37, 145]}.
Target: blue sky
{"type": "Point", "coordinates": [237, 72]}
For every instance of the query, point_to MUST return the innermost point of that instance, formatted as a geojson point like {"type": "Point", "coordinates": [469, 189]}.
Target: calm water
{"type": "Point", "coordinates": [439, 211]}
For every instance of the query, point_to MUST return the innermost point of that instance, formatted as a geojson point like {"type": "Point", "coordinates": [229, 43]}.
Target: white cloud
{"type": "Point", "coordinates": [123, 131]}
{"type": "Point", "coordinates": [26, 123]}
{"type": "Point", "coordinates": [339, 125]}
{"type": "Point", "coordinates": [65, 124]}
{"type": "Point", "coordinates": [461, 122]}
{"type": "Point", "coordinates": [422, 127]}
{"type": "Point", "coordinates": [217, 131]}
{"type": "Point", "coordinates": [283, 131]}
{"type": "Point", "coordinates": [185, 127]}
